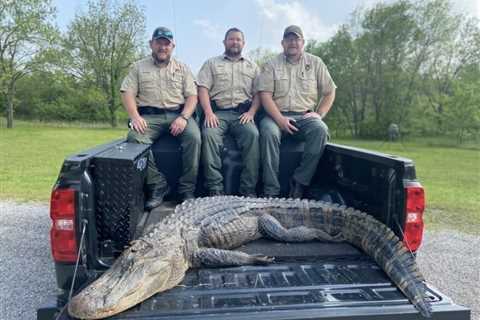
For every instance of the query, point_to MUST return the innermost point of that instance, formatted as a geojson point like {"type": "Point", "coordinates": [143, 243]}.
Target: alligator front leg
{"type": "Point", "coordinates": [272, 228]}
{"type": "Point", "coordinates": [212, 257]}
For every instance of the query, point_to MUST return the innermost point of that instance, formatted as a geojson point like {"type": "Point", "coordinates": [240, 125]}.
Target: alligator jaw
{"type": "Point", "coordinates": [132, 279]}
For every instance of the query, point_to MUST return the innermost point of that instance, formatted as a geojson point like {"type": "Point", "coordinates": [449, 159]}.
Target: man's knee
{"type": "Point", "coordinates": [136, 137]}
{"type": "Point", "coordinates": [269, 131]}
{"type": "Point", "coordinates": [318, 129]}
{"type": "Point", "coordinates": [211, 135]}
{"type": "Point", "coordinates": [250, 132]}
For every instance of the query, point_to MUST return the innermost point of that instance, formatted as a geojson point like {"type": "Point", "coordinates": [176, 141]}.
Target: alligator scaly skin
{"type": "Point", "coordinates": [201, 232]}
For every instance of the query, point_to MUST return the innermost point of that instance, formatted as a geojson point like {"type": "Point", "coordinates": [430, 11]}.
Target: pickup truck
{"type": "Point", "coordinates": [97, 209]}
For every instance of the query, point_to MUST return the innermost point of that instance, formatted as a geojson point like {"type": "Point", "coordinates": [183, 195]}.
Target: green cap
{"type": "Point", "coordinates": [293, 29]}
{"type": "Point", "coordinates": [162, 32]}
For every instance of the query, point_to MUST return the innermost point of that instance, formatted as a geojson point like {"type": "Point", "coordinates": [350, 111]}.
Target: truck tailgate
{"type": "Point", "coordinates": [307, 281]}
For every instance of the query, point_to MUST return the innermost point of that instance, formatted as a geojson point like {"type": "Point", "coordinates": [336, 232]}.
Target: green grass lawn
{"type": "Point", "coordinates": [450, 176]}
{"type": "Point", "coordinates": [32, 154]}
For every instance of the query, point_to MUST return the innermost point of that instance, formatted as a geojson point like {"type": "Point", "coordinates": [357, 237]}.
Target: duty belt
{"type": "Point", "coordinates": [147, 110]}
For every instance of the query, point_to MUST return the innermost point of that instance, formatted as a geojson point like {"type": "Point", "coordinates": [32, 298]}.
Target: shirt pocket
{"type": "Point", "coordinates": [280, 80]}
{"type": "Point", "coordinates": [307, 84]}
{"type": "Point", "coordinates": [147, 80]}
{"type": "Point", "coordinates": [176, 81]}
{"type": "Point", "coordinates": [221, 77]}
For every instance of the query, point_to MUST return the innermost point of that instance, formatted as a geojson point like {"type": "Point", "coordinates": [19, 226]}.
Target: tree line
{"type": "Point", "coordinates": [413, 63]}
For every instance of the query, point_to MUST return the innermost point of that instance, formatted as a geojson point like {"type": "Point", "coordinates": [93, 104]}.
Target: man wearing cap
{"type": "Point", "coordinates": [297, 92]}
{"type": "Point", "coordinates": [227, 95]}
{"type": "Point", "coordinates": [160, 95]}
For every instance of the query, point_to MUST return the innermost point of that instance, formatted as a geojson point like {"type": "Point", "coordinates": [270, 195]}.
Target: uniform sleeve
{"type": "Point", "coordinates": [324, 80]}
{"type": "Point", "coordinates": [190, 89]}
{"type": "Point", "coordinates": [265, 79]}
{"type": "Point", "coordinates": [256, 74]}
{"type": "Point", "coordinates": [205, 76]}
{"type": "Point", "coordinates": [130, 82]}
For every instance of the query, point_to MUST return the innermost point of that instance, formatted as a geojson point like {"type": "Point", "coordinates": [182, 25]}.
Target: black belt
{"type": "Point", "coordinates": [296, 113]}
{"type": "Point", "coordinates": [241, 107]}
{"type": "Point", "coordinates": [146, 110]}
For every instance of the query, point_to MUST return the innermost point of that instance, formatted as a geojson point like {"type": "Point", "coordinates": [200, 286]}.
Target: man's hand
{"type": "Point", "coordinates": [211, 120]}
{"type": "Point", "coordinates": [285, 125]}
{"type": "Point", "coordinates": [246, 117]}
{"type": "Point", "coordinates": [138, 124]}
{"type": "Point", "coordinates": [177, 126]}
{"type": "Point", "coordinates": [312, 114]}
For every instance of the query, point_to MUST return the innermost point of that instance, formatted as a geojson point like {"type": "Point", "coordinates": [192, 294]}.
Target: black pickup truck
{"type": "Point", "coordinates": [97, 209]}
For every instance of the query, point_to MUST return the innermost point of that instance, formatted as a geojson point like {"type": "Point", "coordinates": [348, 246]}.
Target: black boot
{"type": "Point", "coordinates": [214, 193]}
{"type": "Point", "coordinates": [187, 196]}
{"type": "Point", "coordinates": [296, 189]}
{"type": "Point", "coordinates": [155, 197]}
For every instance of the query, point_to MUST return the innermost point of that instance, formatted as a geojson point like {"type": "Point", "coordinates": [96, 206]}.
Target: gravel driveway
{"type": "Point", "coordinates": [449, 260]}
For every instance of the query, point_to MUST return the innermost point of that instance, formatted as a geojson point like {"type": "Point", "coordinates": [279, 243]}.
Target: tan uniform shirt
{"type": "Point", "coordinates": [163, 87]}
{"type": "Point", "coordinates": [228, 82]}
{"type": "Point", "coordinates": [296, 87]}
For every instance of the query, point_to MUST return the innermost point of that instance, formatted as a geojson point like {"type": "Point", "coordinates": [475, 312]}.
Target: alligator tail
{"type": "Point", "coordinates": [380, 243]}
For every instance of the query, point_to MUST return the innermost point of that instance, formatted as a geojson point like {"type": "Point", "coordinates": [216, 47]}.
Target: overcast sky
{"type": "Point", "coordinates": [199, 26]}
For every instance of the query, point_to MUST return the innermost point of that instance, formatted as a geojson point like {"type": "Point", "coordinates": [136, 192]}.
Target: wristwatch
{"type": "Point", "coordinates": [183, 117]}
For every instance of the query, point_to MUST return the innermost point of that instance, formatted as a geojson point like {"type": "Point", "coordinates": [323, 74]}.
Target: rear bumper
{"type": "Point", "coordinates": [50, 311]}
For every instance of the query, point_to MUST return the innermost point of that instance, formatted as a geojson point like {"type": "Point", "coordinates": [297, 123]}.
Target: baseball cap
{"type": "Point", "coordinates": [293, 29]}
{"type": "Point", "coordinates": [162, 32]}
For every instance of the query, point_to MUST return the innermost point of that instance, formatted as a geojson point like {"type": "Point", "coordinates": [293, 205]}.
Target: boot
{"type": "Point", "coordinates": [156, 195]}
{"type": "Point", "coordinates": [296, 189]}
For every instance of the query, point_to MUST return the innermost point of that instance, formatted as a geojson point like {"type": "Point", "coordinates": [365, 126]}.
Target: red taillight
{"type": "Point", "coordinates": [414, 207]}
{"type": "Point", "coordinates": [62, 233]}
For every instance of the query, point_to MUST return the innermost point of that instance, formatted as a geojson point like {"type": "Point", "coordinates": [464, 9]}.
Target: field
{"type": "Point", "coordinates": [32, 153]}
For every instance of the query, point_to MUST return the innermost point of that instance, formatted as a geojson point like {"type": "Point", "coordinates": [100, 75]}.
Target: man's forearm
{"type": "Point", "coordinates": [204, 98]}
{"type": "Point", "coordinates": [270, 105]}
{"type": "Point", "coordinates": [190, 106]}
{"type": "Point", "coordinates": [130, 104]}
{"type": "Point", "coordinates": [255, 104]}
{"type": "Point", "coordinates": [326, 103]}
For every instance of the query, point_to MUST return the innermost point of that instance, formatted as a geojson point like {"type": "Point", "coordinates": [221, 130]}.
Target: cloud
{"type": "Point", "coordinates": [275, 16]}
{"type": "Point", "coordinates": [210, 30]}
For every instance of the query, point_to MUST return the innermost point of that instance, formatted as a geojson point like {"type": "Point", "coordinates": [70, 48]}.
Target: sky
{"type": "Point", "coordinates": [199, 26]}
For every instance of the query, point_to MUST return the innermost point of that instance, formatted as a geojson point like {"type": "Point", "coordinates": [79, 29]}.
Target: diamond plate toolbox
{"type": "Point", "coordinates": [119, 175]}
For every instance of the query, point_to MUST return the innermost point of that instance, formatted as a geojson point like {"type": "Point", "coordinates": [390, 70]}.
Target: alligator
{"type": "Point", "coordinates": [203, 231]}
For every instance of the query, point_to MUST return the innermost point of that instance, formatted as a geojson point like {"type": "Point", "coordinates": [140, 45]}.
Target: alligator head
{"type": "Point", "coordinates": [141, 271]}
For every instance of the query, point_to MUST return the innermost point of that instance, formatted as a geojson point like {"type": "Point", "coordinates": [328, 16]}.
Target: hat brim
{"type": "Point", "coordinates": [163, 37]}
{"type": "Point", "coordinates": [293, 32]}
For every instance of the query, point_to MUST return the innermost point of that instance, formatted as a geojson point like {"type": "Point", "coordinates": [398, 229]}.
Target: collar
{"type": "Point", "coordinates": [156, 64]}
{"type": "Point", "coordinates": [229, 59]}
{"type": "Point", "coordinates": [302, 56]}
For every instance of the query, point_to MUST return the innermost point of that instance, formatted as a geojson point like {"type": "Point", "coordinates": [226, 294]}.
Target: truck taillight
{"type": "Point", "coordinates": [414, 207]}
{"type": "Point", "coordinates": [62, 234]}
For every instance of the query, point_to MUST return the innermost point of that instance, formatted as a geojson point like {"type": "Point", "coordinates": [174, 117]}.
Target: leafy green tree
{"type": "Point", "coordinates": [261, 55]}
{"type": "Point", "coordinates": [102, 43]}
{"type": "Point", "coordinates": [25, 31]}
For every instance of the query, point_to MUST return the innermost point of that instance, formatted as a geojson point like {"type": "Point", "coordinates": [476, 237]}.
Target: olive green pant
{"type": "Point", "coordinates": [246, 136]}
{"type": "Point", "coordinates": [159, 125]}
{"type": "Point", "coordinates": [311, 130]}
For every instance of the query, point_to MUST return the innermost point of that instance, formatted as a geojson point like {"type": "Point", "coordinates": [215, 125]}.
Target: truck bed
{"type": "Point", "coordinates": [313, 280]}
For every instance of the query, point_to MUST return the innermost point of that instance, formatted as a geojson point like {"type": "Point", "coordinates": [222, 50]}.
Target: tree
{"type": "Point", "coordinates": [260, 55]}
{"type": "Point", "coordinates": [25, 31]}
{"type": "Point", "coordinates": [102, 43]}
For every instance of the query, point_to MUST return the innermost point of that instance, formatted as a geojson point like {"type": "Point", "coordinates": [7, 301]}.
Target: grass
{"type": "Point", "coordinates": [32, 154]}
{"type": "Point", "coordinates": [450, 176]}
